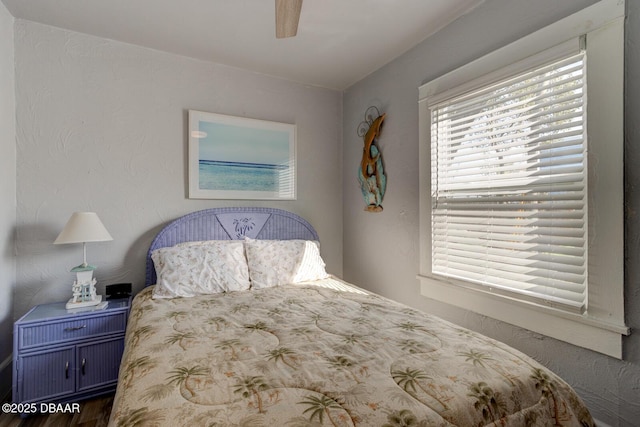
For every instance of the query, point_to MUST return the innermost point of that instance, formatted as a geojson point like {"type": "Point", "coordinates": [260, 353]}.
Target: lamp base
{"type": "Point", "coordinates": [71, 304]}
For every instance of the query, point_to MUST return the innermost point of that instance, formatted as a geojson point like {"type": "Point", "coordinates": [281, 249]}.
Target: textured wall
{"type": "Point", "coordinates": [102, 125]}
{"type": "Point", "coordinates": [8, 194]}
{"type": "Point", "coordinates": [381, 250]}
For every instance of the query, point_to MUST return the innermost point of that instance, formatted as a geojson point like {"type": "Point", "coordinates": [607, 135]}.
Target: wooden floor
{"type": "Point", "coordinates": [93, 413]}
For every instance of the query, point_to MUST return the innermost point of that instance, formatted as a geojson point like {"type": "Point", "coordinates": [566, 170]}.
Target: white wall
{"type": "Point", "coordinates": [8, 194]}
{"type": "Point", "coordinates": [101, 126]}
{"type": "Point", "coordinates": [381, 249]}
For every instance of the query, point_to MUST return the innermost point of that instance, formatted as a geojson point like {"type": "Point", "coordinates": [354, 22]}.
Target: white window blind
{"type": "Point", "coordinates": [508, 185]}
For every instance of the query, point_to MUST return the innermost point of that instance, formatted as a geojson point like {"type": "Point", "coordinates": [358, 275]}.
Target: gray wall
{"type": "Point", "coordinates": [101, 126]}
{"type": "Point", "coordinates": [8, 194]}
{"type": "Point", "coordinates": [381, 250]}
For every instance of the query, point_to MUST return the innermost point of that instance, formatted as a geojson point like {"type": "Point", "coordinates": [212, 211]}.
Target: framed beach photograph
{"type": "Point", "coordinates": [239, 158]}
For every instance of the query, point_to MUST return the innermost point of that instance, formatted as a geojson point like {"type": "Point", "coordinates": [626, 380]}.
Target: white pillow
{"type": "Point", "coordinates": [279, 262]}
{"type": "Point", "coordinates": [210, 267]}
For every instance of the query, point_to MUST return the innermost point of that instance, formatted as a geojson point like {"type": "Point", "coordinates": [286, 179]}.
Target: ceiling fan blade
{"type": "Point", "coordinates": [287, 17]}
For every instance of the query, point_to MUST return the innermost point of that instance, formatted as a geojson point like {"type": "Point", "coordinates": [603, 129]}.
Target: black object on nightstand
{"type": "Point", "coordinates": [118, 290]}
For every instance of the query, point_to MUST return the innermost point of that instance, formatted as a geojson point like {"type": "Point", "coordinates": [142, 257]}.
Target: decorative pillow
{"type": "Point", "coordinates": [199, 269]}
{"type": "Point", "coordinates": [278, 262]}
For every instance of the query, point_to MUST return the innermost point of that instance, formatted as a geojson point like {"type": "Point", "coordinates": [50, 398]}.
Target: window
{"type": "Point", "coordinates": [521, 182]}
{"type": "Point", "coordinates": [508, 177]}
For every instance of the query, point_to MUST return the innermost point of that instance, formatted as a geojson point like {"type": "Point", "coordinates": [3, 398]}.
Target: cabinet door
{"type": "Point", "coordinates": [46, 375]}
{"type": "Point", "coordinates": [99, 363]}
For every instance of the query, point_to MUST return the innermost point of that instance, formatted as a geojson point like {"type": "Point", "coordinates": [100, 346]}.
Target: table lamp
{"type": "Point", "coordinates": [83, 227]}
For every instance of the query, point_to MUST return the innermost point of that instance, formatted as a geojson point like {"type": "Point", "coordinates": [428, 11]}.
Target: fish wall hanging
{"type": "Point", "coordinates": [373, 181]}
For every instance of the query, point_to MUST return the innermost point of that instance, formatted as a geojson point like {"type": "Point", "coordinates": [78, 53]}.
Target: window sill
{"type": "Point", "coordinates": [581, 330]}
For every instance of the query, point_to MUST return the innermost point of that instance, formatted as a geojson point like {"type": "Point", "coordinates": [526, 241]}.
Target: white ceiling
{"type": "Point", "coordinates": [338, 42]}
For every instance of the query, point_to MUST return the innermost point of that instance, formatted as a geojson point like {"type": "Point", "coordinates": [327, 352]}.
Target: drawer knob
{"type": "Point", "coordinates": [75, 328]}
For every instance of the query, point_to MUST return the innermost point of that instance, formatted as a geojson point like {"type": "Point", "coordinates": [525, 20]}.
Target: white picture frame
{"type": "Point", "coordinates": [241, 158]}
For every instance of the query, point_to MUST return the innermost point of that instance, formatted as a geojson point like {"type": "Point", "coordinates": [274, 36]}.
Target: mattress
{"type": "Point", "coordinates": [324, 353]}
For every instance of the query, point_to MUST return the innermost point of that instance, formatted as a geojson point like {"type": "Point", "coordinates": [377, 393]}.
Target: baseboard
{"type": "Point", "coordinates": [6, 372]}
{"type": "Point", "coordinates": [600, 423]}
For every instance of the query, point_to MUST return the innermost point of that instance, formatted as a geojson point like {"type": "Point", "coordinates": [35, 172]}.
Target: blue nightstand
{"type": "Point", "coordinates": [62, 356]}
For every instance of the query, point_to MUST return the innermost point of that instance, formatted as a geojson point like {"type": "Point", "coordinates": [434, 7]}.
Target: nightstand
{"type": "Point", "coordinates": [62, 356]}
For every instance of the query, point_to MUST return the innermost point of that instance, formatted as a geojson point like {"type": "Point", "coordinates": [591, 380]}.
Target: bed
{"type": "Point", "coordinates": [303, 348]}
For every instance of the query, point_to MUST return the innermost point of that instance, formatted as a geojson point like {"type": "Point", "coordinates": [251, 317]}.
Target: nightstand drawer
{"type": "Point", "coordinates": [35, 335]}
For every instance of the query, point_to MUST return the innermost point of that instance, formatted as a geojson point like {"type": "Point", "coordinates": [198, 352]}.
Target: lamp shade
{"type": "Point", "coordinates": [83, 227]}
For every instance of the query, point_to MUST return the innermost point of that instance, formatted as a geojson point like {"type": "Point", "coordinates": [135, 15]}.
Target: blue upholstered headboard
{"type": "Point", "coordinates": [230, 224]}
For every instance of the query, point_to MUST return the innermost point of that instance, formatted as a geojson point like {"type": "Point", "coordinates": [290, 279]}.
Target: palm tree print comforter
{"type": "Point", "coordinates": [324, 354]}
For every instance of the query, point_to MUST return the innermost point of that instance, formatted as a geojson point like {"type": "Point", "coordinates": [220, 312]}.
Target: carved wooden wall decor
{"type": "Point", "coordinates": [373, 181]}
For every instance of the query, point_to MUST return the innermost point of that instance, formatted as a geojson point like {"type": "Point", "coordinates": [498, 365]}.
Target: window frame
{"type": "Point", "coordinates": [601, 326]}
